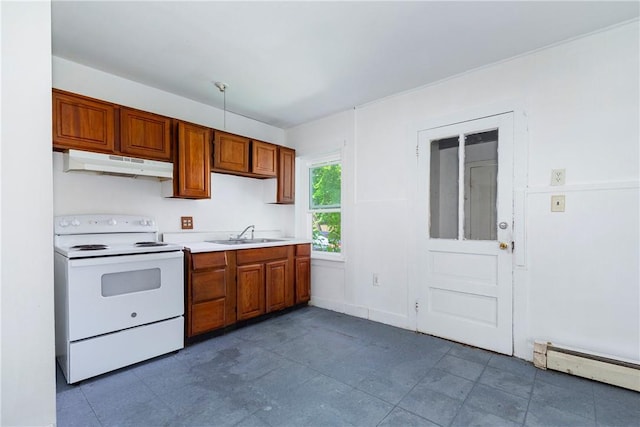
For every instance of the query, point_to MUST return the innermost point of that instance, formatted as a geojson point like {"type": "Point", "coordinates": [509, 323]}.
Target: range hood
{"type": "Point", "coordinates": [76, 160]}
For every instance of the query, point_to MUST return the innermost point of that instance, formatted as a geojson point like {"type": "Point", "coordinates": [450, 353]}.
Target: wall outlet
{"type": "Point", "coordinates": [376, 279]}
{"type": "Point", "coordinates": [186, 222]}
{"type": "Point", "coordinates": [558, 176]}
{"type": "Point", "coordinates": [557, 203]}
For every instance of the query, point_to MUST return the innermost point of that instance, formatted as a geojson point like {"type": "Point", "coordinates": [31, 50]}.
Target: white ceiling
{"type": "Point", "coordinates": [287, 63]}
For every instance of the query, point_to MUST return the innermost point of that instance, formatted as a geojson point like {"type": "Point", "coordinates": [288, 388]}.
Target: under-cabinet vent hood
{"type": "Point", "coordinates": [75, 160]}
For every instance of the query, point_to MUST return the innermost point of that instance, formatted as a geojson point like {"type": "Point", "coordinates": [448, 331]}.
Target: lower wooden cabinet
{"type": "Point", "coordinates": [303, 273]}
{"type": "Point", "coordinates": [223, 288]}
{"type": "Point", "coordinates": [210, 296]}
{"type": "Point", "coordinates": [265, 277]}
{"type": "Point", "coordinates": [251, 291]}
{"type": "Point", "coordinates": [277, 285]}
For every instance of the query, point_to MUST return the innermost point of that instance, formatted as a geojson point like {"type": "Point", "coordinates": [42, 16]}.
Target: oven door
{"type": "Point", "coordinates": [107, 294]}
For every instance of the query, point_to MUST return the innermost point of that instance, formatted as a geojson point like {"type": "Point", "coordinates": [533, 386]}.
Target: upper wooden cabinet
{"type": "Point", "coordinates": [230, 153]}
{"type": "Point", "coordinates": [83, 123]}
{"type": "Point", "coordinates": [238, 155]}
{"type": "Point", "coordinates": [88, 124]}
{"type": "Point", "coordinates": [264, 158]}
{"type": "Point", "coordinates": [191, 166]}
{"type": "Point", "coordinates": [145, 135]}
{"type": "Point", "coordinates": [286, 175]}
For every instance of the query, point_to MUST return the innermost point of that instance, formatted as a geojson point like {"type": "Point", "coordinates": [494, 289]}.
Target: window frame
{"type": "Point", "coordinates": [314, 162]}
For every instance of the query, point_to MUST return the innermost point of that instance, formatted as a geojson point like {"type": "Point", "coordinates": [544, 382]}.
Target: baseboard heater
{"type": "Point", "coordinates": [610, 371]}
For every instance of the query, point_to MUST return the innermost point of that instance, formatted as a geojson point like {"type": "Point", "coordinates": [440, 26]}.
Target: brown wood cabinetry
{"type": "Point", "coordinates": [83, 123]}
{"type": "Point", "coordinates": [265, 280]}
{"type": "Point", "coordinates": [210, 291]}
{"type": "Point", "coordinates": [250, 291]}
{"type": "Point", "coordinates": [222, 288]}
{"type": "Point", "coordinates": [230, 153]}
{"type": "Point", "coordinates": [191, 166]}
{"type": "Point", "coordinates": [237, 155]}
{"type": "Point", "coordinates": [145, 135]}
{"type": "Point", "coordinates": [303, 273]}
{"type": "Point", "coordinates": [264, 158]}
{"type": "Point", "coordinates": [286, 175]}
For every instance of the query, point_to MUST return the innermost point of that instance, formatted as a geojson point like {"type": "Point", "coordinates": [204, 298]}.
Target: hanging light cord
{"type": "Point", "coordinates": [223, 88]}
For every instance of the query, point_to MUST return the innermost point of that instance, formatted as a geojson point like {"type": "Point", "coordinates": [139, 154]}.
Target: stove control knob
{"type": "Point", "coordinates": [144, 222]}
{"type": "Point", "coordinates": [75, 222]}
{"type": "Point", "coordinates": [63, 223]}
{"type": "Point", "coordinates": [112, 222]}
{"type": "Point", "coordinates": [151, 222]}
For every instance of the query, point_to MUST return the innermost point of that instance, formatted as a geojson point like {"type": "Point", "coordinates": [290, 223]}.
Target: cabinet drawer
{"type": "Point", "coordinates": [248, 256]}
{"type": "Point", "coordinates": [207, 316]}
{"type": "Point", "coordinates": [303, 250]}
{"type": "Point", "coordinates": [207, 285]}
{"type": "Point", "coordinates": [209, 260]}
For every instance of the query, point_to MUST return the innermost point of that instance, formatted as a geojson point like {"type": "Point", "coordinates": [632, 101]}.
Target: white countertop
{"type": "Point", "coordinates": [196, 242]}
{"type": "Point", "coordinates": [196, 247]}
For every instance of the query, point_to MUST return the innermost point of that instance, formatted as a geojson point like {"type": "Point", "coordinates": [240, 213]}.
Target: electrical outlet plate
{"type": "Point", "coordinates": [557, 203]}
{"type": "Point", "coordinates": [186, 222]}
{"type": "Point", "coordinates": [558, 176]}
{"type": "Point", "coordinates": [376, 279]}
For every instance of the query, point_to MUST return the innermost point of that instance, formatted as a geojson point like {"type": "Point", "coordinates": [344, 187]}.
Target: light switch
{"type": "Point", "coordinates": [557, 203]}
{"type": "Point", "coordinates": [558, 176]}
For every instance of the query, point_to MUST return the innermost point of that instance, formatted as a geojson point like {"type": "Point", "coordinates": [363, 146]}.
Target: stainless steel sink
{"type": "Point", "coordinates": [244, 241]}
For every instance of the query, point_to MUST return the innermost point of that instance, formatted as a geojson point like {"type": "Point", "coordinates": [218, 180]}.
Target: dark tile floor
{"type": "Point", "coordinates": [313, 367]}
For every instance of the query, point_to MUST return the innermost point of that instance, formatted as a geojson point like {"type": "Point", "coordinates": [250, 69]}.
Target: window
{"type": "Point", "coordinates": [325, 193]}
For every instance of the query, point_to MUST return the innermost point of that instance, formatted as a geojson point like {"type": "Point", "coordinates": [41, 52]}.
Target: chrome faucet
{"type": "Point", "coordinates": [252, 227]}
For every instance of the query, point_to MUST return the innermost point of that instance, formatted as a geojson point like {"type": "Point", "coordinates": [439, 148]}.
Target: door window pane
{"type": "Point", "coordinates": [480, 185]}
{"type": "Point", "coordinates": [443, 191]}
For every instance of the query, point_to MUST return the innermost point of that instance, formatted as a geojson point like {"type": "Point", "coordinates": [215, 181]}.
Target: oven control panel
{"type": "Point", "coordinates": [89, 224]}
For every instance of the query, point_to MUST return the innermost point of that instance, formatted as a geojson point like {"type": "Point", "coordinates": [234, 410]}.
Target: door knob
{"type": "Point", "coordinates": [504, 245]}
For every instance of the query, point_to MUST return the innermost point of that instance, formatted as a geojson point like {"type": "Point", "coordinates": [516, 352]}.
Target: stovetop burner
{"type": "Point", "coordinates": [150, 244]}
{"type": "Point", "coordinates": [89, 247]}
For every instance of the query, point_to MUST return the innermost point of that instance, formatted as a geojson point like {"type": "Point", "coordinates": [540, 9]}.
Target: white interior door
{"type": "Point", "coordinates": [465, 219]}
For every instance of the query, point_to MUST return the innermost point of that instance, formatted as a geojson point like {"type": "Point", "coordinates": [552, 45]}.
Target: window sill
{"type": "Point", "coordinates": [327, 256]}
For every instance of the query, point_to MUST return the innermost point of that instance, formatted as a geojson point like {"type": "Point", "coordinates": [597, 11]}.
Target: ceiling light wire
{"type": "Point", "coordinates": [223, 88]}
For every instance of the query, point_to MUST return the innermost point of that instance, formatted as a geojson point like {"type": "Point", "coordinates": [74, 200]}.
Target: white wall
{"type": "Point", "coordinates": [236, 201]}
{"type": "Point", "coordinates": [576, 281]}
{"type": "Point", "coordinates": [27, 369]}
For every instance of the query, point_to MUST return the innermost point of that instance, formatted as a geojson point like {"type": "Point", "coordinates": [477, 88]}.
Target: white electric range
{"type": "Point", "coordinates": [119, 293]}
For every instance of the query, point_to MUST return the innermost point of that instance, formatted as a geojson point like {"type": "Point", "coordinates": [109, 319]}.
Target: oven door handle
{"type": "Point", "coordinates": [122, 259]}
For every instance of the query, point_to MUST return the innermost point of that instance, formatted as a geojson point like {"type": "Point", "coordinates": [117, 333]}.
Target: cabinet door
{"type": "Point", "coordinates": [276, 284]}
{"type": "Point", "coordinates": [250, 280]}
{"type": "Point", "coordinates": [264, 158]}
{"type": "Point", "coordinates": [286, 175]}
{"type": "Point", "coordinates": [303, 279]}
{"type": "Point", "coordinates": [82, 123]}
{"type": "Point", "coordinates": [145, 135]}
{"type": "Point", "coordinates": [192, 167]}
{"type": "Point", "coordinates": [230, 152]}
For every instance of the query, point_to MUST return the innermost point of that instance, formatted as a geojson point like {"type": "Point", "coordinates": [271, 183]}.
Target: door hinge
{"type": "Point", "coordinates": [417, 151]}
{"type": "Point", "coordinates": [417, 306]}
{"type": "Point", "coordinates": [513, 245]}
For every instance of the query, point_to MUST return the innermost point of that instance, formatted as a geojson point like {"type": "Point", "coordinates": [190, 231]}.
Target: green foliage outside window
{"type": "Point", "coordinates": [325, 201]}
